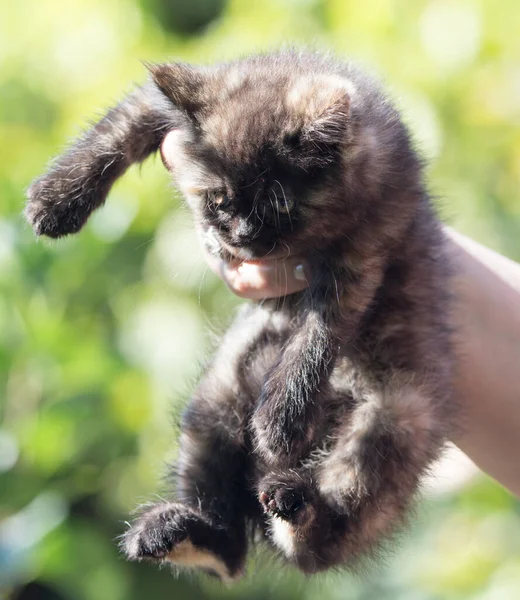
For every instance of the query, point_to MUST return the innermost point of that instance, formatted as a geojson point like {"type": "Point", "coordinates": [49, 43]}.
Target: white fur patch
{"type": "Point", "coordinates": [186, 554]}
{"type": "Point", "coordinates": [282, 534]}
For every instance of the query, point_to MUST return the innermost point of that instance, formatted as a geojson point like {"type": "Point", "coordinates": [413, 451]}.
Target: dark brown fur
{"type": "Point", "coordinates": [321, 411]}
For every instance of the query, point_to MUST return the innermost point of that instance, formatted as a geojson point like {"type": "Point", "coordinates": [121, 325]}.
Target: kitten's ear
{"type": "Point", "coordinates": [323, 108]}
{"type": "Point", "coordinates": [183, 84]}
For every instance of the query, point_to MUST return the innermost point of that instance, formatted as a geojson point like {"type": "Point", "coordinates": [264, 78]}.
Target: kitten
{"type": "Point", "coordinates": [320, 413]}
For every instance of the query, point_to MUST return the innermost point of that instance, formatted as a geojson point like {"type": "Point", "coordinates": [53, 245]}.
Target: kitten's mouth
{"type": "Point", "coordinates": [233, 254]}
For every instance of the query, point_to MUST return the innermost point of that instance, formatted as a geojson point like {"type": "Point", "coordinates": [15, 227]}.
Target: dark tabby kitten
{"type": "Point", "coordinates": [319, 414]}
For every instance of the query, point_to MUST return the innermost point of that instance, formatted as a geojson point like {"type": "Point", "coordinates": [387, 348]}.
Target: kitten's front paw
{"type": "Point", "coordinates": [49, 209]}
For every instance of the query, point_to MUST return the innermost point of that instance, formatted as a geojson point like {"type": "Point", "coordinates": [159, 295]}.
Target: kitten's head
{"type": "Point", "coordinates": [260, 152]}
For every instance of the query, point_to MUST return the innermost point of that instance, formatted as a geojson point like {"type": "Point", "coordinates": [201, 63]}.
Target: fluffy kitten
{"type": "Point", "coordinates": [318, 415]}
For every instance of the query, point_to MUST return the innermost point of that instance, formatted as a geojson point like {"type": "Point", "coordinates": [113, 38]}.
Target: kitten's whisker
{"type": "Point", "coordinates": [286, 284]}
{"type": "Point", "coordinates": [253, 208]}
{"type": "Point", "coordinates": [200, 284]}
{"type": "Point", "coordinates": [275, 212]}
{"type": "Point", "coordinates": [272, 249]}
{"type": "Point", "coordinates": [286, 204]}
{"type": "Point", "coordinates": [259, 230]}
{"type": "Point", "coordinates": [243, 187]}
{"type": "Point", "coordinates": [145, 243]}
{"type": "Point", "coordinates": [326, 264]}
{"type": "Point", "coordinates": [261, 223]}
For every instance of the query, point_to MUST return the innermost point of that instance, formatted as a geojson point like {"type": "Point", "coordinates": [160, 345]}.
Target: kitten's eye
{"type": "Point", "coordinates": [220, 200]}
{"type": "Point", "coordinates": [282, 203]}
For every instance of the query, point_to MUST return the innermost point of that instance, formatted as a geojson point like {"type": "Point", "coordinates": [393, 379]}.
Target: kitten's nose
{"type": "Point", "coordinates": [243, 230]}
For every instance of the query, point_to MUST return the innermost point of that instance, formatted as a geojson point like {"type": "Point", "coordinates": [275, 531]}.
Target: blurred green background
{"type": "Point", "coordinates": [102, 334]}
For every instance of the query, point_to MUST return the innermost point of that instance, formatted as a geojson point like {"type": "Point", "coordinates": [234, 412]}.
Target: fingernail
{"type": "Point", "coordinates": [299, 273]}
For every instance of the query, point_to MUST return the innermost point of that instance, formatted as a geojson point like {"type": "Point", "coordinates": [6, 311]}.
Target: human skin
{"type": "Point", "coordinates": [486, 319]}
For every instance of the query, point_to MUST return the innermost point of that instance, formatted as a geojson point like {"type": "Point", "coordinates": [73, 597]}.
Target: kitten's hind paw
{"type": "Point", "coordinates": [287, 497]}
{"type": "Point", "coordinates": [155, 533]}
{"type": "Point", "coordinates": [175, 533]}
{"type": "Point", "coordinates": [281, 502]}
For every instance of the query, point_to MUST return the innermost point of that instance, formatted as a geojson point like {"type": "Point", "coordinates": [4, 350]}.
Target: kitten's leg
{"type": "Point", "coordinates": [288, 412]}
{"type": "Point", "coordinates": [358, 495]}
{"type": "Point", "coordinates": [206, 526]}
{"type": "Point", "coordinates": [78, 181]}
{"type": "Point", "coordinates": [381, 453]}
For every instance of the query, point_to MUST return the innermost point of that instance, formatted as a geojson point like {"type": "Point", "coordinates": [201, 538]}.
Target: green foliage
{"type": "Point", "coordinates": [101, 334]}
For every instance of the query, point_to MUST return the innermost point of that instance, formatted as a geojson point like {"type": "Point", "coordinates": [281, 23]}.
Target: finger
{"type": "Point", "coordinates": [268, 279]}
